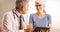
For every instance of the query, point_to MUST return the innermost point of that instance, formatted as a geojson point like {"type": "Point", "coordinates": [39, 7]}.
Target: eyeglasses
{"type": "Point", "coordinates": [38, 5]}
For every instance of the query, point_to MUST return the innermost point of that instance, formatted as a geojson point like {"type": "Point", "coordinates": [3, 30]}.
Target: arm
{"type": "Point", "coordinates": [50, 28]}
{"type": "Point", "coordinates": [49, 23]}
{"type": "Point", "coordinates": [6, 24]}
{"type": "Point", "coordinates": [30, 26]}
{"type": "Point", "coordinates": [31, 21]}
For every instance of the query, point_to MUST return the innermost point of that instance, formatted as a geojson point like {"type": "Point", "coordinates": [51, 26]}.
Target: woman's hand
{"type": "Point", "coordinates": [50, 28]}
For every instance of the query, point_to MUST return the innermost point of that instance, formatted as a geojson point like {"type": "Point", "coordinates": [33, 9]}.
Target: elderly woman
{"type": "Point", "coordinates": [40, 21]}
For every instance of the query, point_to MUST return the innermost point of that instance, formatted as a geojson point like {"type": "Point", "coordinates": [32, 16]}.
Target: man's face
{"type": "Point", "coordinates": [25, 9]}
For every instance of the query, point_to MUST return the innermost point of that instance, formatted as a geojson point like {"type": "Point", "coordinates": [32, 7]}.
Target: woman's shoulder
{"type": "Point", "coordinates": [32, 14]}
{"type": "Point", "coordinates": [48, 15]}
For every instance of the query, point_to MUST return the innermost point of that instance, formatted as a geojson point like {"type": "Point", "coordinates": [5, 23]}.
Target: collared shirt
{"type": "Point", "coordinates": [10, 22]}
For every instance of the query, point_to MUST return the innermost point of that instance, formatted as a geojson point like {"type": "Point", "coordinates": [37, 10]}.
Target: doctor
{"type": "Point", "coordinates": [13, 21]}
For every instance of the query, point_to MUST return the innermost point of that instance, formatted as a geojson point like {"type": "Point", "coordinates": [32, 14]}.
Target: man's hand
{"type": "Point", "coordinates": [29, 28]}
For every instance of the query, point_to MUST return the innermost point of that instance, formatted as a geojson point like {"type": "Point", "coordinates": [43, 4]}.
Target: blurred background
{"type": "Point", "coordinates": [52, 8]}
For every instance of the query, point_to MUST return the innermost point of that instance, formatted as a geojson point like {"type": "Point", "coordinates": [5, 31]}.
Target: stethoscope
{"type": "Point", "coordinates": [14, 13]}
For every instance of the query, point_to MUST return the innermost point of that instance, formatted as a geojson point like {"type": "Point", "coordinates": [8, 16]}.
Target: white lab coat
{"type": "Point", "coordinates": [9, 24]}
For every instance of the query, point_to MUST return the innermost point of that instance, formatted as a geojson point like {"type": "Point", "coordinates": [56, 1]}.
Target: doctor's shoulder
{"type": "Point", "coordinates": [8, 14]}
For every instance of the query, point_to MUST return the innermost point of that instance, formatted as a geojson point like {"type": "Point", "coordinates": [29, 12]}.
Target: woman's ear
{"type": "Point", "coordinates": [43, 5]}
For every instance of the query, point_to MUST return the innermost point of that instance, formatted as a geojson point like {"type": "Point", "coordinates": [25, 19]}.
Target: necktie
{"type": "Point", "coordinates": [21, 20]}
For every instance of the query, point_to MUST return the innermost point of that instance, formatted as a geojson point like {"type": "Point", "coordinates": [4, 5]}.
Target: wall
{"type": "Point", "coordinates": [6, 5]}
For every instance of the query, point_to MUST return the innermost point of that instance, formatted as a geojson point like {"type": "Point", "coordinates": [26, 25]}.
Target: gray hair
{"type": "Point", "coordinates": [21, 3]}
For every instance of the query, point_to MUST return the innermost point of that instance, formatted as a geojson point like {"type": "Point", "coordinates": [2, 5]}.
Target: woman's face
{"type": "Point", "coordinates": [39, 6]}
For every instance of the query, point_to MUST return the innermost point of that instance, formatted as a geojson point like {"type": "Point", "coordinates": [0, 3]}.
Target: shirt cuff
{"type": "Point", "coordinates": [21, 30]}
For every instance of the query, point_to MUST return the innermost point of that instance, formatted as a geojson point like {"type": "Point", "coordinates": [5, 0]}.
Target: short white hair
{"type": "Point", "coordinates": [41, 1]}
